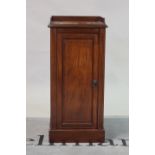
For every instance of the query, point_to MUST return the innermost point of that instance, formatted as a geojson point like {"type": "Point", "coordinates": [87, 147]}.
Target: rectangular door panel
{"type": "Point", "coordinates": [77, 56]}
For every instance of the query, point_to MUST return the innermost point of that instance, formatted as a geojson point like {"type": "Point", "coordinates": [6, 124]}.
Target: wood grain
{"type": "Point", "coordinates": [77, 79]}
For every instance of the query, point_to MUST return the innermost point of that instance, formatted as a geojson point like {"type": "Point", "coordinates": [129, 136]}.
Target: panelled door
{"type": "Point", "coordinates": [77, 79]}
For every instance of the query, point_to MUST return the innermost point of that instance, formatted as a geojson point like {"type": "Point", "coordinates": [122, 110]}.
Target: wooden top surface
{"type": "Point", "coordinates": [77, 21]}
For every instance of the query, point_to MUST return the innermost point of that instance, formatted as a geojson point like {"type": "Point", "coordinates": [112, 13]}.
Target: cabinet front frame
{"type": "Point", "coordinates": [100, 32]}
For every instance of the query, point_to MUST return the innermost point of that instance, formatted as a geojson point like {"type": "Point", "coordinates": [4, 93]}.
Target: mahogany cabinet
{"type": "Point", "coordinates": [77, 78]}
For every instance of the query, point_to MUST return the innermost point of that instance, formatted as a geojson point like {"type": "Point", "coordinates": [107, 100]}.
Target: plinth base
{"type": "Point", "coordinates": [82, 135]}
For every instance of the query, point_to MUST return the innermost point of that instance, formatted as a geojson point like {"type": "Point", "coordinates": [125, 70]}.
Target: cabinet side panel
{"type": "Point", "coordinates": [101, 77]}
{"type": "Point", "coordinates": [53, 78]}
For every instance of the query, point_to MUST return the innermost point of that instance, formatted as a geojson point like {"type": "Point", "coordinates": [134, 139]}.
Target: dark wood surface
{"type": "Point", "coordinates": [77, 79]}
{"type": "Point", "coordinates": [77, 21]}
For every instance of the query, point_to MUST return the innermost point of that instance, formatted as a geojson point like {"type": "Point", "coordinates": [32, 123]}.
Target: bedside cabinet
{"type": "Point", "coordinates": [77, 60]}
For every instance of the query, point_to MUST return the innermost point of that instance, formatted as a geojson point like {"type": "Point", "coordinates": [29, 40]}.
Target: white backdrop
{"type": "Point", "coordinates": [38, 47]}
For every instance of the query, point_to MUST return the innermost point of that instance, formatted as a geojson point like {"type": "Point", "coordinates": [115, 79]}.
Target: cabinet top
{"type": "Point", "coordinates": [77, 21]}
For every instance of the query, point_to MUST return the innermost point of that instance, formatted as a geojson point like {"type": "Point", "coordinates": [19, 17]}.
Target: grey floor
{"type": "Point", "coordinates": [116, 129]}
